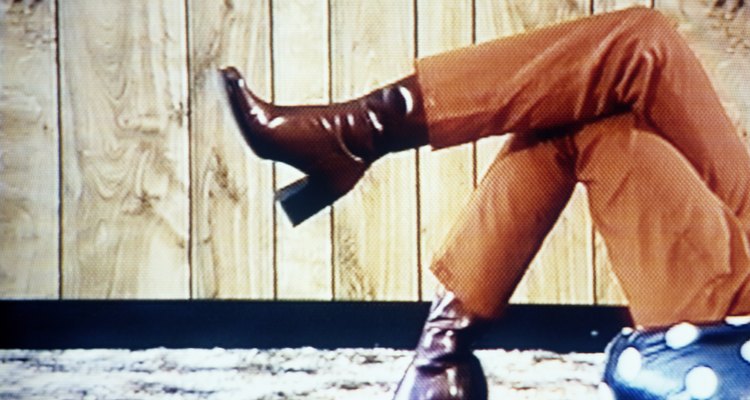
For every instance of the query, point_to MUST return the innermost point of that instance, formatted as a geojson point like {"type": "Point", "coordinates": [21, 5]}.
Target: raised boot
{"type": "Point", "coordinates": [444, 367]}
{"type": "Point", "coordinates": [333, 145]}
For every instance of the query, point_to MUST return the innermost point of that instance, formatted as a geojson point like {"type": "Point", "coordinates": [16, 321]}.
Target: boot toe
{"type": "Point", "coordinates": [230, 73]}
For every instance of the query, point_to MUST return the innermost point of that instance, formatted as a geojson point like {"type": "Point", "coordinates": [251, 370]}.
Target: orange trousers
{"type": "Point", "coordinates": [620, 103]}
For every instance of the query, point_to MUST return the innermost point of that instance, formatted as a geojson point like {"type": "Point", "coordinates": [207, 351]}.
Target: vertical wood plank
{"type": "Point", "coordinates": [29, 162]}
{"type": "Point", "coordinates": [375, 232]}
{"type": "Point", "coordinates": [607, 288]}
{"type": "Point", "coordinates": [445, 177]}
{"type": "Point", "coordinates": [232, 197]}
{"type": "Point", "coordinates": [125, 149]}
{"type": "Point", "coordinates": [562, 271]}
{"type": "Point", "coordinates": [301, 75]}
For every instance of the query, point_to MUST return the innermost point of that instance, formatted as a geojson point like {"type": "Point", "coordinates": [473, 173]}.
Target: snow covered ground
{"type": "Point", "coordinates": [273, 374]}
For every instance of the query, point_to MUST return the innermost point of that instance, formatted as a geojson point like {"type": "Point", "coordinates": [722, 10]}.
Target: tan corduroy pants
{"type": "Point", "coordinates": [620, 103]}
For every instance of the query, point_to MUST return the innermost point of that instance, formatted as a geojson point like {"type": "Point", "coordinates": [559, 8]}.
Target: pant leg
{"type": "Point", "coordinates": [631, 60]}
{"type": "Point", "coordinates": [678, 251]}
{"type": "Point", "coordinates": [504, 224]}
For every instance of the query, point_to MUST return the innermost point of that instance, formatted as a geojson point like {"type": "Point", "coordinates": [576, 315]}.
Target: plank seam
{"type": "Point", "coordinates": [417, 169]}
{"type": "Point", "coordinates": [60, 174]}
{"type": "Point", "coordinates": [274, 177]}
{"type": "Point", "coordinates": [189, 105]}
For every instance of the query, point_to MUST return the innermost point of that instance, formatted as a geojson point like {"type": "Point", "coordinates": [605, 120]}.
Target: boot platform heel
{"type": "Point", "coordinates": [307, 196]}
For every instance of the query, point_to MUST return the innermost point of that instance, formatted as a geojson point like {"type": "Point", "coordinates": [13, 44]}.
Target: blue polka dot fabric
{"type": "Point", "coordinates": [682, 362]}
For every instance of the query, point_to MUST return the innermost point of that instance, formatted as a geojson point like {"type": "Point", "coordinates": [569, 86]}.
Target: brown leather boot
{"type": "Point", "coordinates": [334, 144]}
{"type": "Point", "coordinates": [444, 367]}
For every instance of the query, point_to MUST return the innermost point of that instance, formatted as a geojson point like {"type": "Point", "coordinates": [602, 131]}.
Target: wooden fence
{"type": "Point", "coordinates": [123, 175]}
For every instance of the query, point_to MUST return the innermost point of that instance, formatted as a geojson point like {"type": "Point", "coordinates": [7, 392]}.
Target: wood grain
{"type": "Point", "coordinates": [562, 270]}
{"type": "Point", "coordinates": [29, 151]}
{"type": "Point", "coordinates": [301, 76]}
{"type": "Point", "coordinates": [375, 230]}
{"type": "Point", "coordinates": [446, 177]}
{"type": "Point", "coordinates": [232, 196]}
{"type": "Point", "coordinates": [125, 149]}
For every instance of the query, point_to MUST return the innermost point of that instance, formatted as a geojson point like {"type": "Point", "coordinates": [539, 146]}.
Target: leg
{"type": "Point", "coordinates": [682, 258]}
{"type": "Point", "coordinates": [678, 251]}
{"type": "Point", "coordinates": [505, 222]}
{"type": "Point", "coordinates": [680, 254]}
{"type": "Point", "coordinates": [487, 253]}
{"type": "Point", "coordinates": [652, 226]}
{"type": "Point", "coordinates": [578, 71]}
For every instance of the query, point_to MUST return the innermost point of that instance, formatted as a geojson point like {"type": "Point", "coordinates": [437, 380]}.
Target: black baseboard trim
{"type": "Point", "coordinates": [140, 324]}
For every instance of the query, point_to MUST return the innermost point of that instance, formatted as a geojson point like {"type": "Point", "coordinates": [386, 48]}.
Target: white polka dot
{"type": "Point", "coordinates": [701, 382]}
{"type": "Point", "coordinates": [681, 335]}
{"type": "Point", "coordinates": [737, 320]}
{"type": "Point", "coordinates": [745, 351]}
{"type": "Point", "coordinates": [627, 331]}
{"type": "Point", "coordinates": [604, 392]}
{"type": "Point", "coordinates": [629, 364]}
